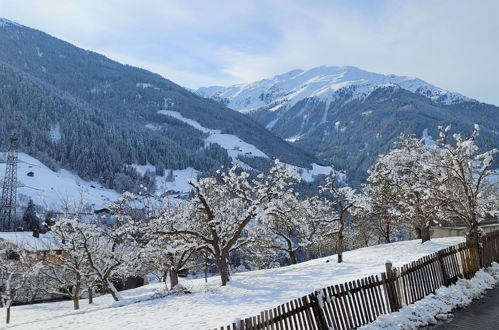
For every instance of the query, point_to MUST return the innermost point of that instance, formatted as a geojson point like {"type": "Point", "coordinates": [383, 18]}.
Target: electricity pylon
{"type": "Point", "coordinates": [9, 189]}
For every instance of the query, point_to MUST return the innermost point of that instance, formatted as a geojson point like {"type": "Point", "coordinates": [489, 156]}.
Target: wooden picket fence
{"type": "Point", "coordinates": [359, 302]}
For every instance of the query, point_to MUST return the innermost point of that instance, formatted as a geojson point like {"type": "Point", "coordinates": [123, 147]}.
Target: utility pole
{"type": "Point", "coordinates": [8, 199]}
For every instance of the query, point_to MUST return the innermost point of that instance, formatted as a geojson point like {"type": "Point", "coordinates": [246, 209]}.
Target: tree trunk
{"type": "Point", "coordinates": [76, 292]}
{"type": "Point", "coordinates": [425, 234]}
{"type": "Point", "coordinates": [112, 289]}
{"type": "Point", "coordinates": [76, 302]}
{"type": "Point", "coordinates": [473, 236]}
{"type": "Point", "coordinates": [223, 268]}
{"type": "Point", "coordinates": [387, 234]}
{"type": "Point", "coordinates": [173, 278]}
{"type": "Point", "coordinates": [205, 270]}
{"type": "Point", "coordinates": [339, 249]}
{"type": "Point", "coordinates": [9, 304]}
{"type": "Point", "coordinates": [418, 232]}
{"type": "Point", "coordinates": [339, 243]}
{"type": "Point", "coordinates": [292, 257]}
{"type": "Point", "coordinates": [90, 295]}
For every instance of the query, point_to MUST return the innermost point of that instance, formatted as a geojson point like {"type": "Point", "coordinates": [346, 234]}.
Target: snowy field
{"type": "Point", "coordinates": [52, 189]}
{"type": "Point", "coordinates": [210, 305]}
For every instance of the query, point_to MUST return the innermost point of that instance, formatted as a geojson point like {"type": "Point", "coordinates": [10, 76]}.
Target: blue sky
{"type": "Point", "coordinates": [453, 44]}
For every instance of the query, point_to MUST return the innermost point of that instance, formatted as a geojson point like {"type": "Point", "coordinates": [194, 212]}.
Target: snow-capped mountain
{"type": "Point", "coordinates": [347, 116]}
{"type": "Point", "coordinates": [324, 83]}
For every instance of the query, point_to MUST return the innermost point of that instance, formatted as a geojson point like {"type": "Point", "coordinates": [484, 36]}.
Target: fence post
{"type": "Point", "coordinates": [390, 287]}
{"type": "Point", "coordinates": [317, 311]}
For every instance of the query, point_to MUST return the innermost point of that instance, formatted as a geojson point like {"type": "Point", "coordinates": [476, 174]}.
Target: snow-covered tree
{"type": "Point", "coordinates": [111, 253]}
{"type": "Point", "coordinates": [361, 232]}
{"type": "Point", "coordinates": [66, 269]}
{"type": "Point", "coordinates": [406, 174]}
{"type": "Point", "coordinates": [278, 230]}
{"type": "Point", "coordinates": [342, 198]}
{"type": "Point", "coordinates": [464, 191]}
{"type": "Point", "coordinates": [296, 224]}
{"type": "Point", "coordinates": [223, 206]}
{"type": "Point", "coordinates": [421, 185]}
{"type": "Point", "coordinates": [16, 270]}
{"type": "Point", "coordinates": [380, 202]}
{"type": "Point", "coordinates": [166, 251]}
{"type": "Point", "coordinates": [317, 226]}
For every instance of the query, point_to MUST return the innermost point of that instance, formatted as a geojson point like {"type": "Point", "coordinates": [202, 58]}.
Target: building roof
{"type": "Point", "coordinates": [26, 240]}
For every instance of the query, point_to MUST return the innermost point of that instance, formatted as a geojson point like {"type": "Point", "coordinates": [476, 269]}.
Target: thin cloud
{"type": "Point", "coordinates": [452, 44]}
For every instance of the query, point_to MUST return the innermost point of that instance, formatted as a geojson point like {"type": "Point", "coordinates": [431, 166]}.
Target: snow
{"type": "Point", "coordinates": [210, 305]}
{"type": "Point", "coordinates": [438, 306]}
{"type": "Point", "coordinates": [144, 85]}
{"type": "Point", "coordinates": [51, 189]}
{"type": "Point", "coordinates": [326, 112]}
{"type": "Point", "coordinates": [294, 138]}
{"type": "Point", "coordinates": [26, 241]}
{"type": "Point", "coordinates": [142, 169]}
{"type": "Point", "coordinates": [180, 182]}
{"type": "Point", "coordinates": [235, 147]}
{"type": "Point", "coordinates": [153, 127]}
{"type": "Point", "coordinates": [324, 83]}
{"type": "Point", "coordinates": [233, 144]}
{"type": "Point", "coordinates": [271, 124]}
{"type": "Point", "coordinates": [55, 133]}
{"type": "Point", "coordinates": [309, 175]}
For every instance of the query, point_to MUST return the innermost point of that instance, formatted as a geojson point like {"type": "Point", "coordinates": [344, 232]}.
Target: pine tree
{"type": "Point", "coordinates": [30, 219]}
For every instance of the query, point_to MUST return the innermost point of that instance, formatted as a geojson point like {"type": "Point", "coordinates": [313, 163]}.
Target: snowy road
{"type": "Point", "coordinates": [481, 315]}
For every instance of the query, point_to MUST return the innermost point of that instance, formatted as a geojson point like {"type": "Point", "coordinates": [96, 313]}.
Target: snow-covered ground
{"type": "Point", "coordinates": [179, 181]}
{"type": "Point", "coordinates": [212, 306]}
{"type": "Point", "coordinates": [51, 189]}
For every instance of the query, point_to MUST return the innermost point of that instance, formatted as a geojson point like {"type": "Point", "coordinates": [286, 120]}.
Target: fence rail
{"type": "Point", "coordinates": [359, 302]}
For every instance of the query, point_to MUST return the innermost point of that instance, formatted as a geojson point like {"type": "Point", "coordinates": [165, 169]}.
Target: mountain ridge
{"type": "Point", "coordinates": [114, 121]}
{"type": "Point", "coordinates": [324, 82]}
{"type": "Point", "coordinates": [347, 116]}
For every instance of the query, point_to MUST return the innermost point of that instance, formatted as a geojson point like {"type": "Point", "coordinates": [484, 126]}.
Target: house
{"type": "Point", "coordinates": [37, 248]}
{"type": "Point", "coordinates": [460, 230]}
